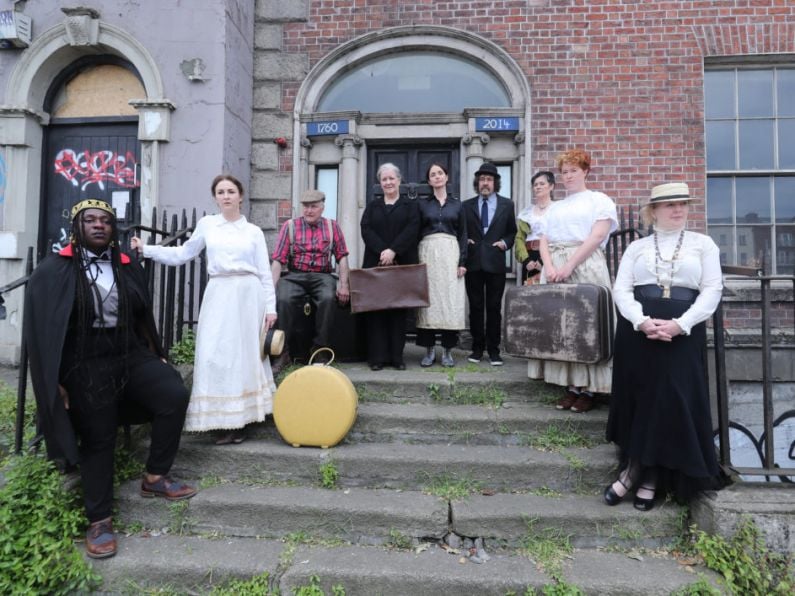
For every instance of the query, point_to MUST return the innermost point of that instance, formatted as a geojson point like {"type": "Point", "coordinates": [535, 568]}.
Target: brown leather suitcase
{"type": "Point", "coordinates": [383, 288]}
{"type": "Point", "coordinates": [564, 322]}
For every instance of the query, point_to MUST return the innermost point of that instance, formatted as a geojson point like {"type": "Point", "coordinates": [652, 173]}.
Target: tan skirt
{"type": "Point", "coordinates": [446, 290]}
{"type": "Point", "coordinates": [596, 378]}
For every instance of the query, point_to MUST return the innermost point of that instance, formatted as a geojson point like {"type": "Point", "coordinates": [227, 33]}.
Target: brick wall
{"type": "Point", "coordinates": [621, 78]}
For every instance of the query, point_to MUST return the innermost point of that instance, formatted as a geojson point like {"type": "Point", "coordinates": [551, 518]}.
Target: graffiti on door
{"type": "Point", "coordinates": [98, 167]}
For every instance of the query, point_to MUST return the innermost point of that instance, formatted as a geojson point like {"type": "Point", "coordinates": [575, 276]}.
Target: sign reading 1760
{"type": "Point", "coordinates": [326, 127]}
{"type": "Point", "coordinates": [497, 124]}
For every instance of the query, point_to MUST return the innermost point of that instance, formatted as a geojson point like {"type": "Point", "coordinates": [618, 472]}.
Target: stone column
{"type": "Point", "coordinates": [154, 127]}
{"type": "Point", "coordinates": [473, 149]}
{"type": "Point", "coordinates": [350, 198]}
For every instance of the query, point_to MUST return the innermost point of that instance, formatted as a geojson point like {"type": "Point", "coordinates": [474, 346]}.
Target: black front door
{"type": "Point", "coordinates": [88, 161]}
{"type": "Point", "coordinates": [413, 161]}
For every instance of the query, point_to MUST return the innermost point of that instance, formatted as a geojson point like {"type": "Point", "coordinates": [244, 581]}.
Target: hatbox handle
{"type": "Point", "coordinates": [316, 352]}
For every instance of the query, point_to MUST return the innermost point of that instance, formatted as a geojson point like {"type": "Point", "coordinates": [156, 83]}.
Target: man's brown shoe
{"type": "Point", "coordinates": [100, 540]}
{"type": "Point", "coordinates": [166, 487]}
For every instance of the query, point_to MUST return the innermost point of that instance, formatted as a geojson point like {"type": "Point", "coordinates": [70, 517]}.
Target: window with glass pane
{"type": "Point", "coordinates": [326, 179]}
{"type": "Point", "coordinates": [412, 82]}
{"type": "Point", "coordinates": [749, 131]}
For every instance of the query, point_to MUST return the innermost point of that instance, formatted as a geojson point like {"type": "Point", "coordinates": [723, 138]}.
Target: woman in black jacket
{"type": "Point", "coordinates": [390, 231]}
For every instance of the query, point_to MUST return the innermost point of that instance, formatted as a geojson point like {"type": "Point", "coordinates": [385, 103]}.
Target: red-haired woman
{"type": "Point", "coordinates": [573, 235]}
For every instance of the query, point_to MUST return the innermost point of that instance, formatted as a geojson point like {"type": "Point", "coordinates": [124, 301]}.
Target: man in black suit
{"type": "Point", "coordinates": [491, 227]}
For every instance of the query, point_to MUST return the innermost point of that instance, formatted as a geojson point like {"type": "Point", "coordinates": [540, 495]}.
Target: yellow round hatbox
{"type": "Point", "coordinates": [315, 406]}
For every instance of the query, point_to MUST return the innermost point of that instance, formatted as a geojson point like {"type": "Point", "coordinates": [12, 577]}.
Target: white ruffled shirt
{"type": "Point", "coordinates": [572, 219]}
{"type": "Point", "coordinates": [697, 267]}
{"type": "Point", "coordinates": [233, 248]}
{"type": "Point", "coordinates": [529, 216]}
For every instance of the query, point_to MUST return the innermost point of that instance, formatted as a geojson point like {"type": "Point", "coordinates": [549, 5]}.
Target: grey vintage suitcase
{"type": "Point", "coordinates": [564, 322]}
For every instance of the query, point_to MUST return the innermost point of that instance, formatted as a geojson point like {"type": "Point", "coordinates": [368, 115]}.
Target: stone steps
{"type": "Point", "coordinates": [399, 465]}
{"type": "Point", "coordinates": [500, 467]}
{"type": "Point", "coordinates": [191, 564]}
{"type": "Point", "coordinates": [377, 516]}
{"type": "Point", "coordinates": [515, 423]}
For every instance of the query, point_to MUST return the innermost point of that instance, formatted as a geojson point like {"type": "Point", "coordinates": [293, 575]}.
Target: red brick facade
{"type": "Point", "coordinates": [621, 78]}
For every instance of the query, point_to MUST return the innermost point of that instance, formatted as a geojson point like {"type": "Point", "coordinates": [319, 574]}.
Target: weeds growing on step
{"type": "Point", "coordinates": [558, 436]}
{"type": "Point", "coordinates": [329, 475]}
{"type": "Point", "coordinates": [546, 547]}
{"type": "Point", "coordinates": [451, 487]}
{"type": "Point", "coordinates": [745, 562]}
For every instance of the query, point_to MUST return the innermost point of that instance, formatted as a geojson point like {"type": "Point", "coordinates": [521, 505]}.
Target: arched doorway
{"type": "Point", "coordinates": [404, 94]}
{"type": "Point", "coordinates": [91, 147]}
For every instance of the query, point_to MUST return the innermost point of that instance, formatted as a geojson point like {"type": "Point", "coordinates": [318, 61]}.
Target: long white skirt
{"type": "Point", "coordinates": [232, 386]}
{"type": "Point", "coordinates": [446, 290]}
{"type": "Point", "coordinates": [596, 378]}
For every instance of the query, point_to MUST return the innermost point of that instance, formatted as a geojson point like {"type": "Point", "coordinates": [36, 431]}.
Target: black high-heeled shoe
{"type": "Point", "coordinates": [642, 504]}
{"type": "Point", "coordinates": [611, 497]}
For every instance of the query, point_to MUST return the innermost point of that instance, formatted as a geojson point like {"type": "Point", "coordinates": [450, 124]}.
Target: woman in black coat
{"type": "Point", "coordinates": [390, 231]}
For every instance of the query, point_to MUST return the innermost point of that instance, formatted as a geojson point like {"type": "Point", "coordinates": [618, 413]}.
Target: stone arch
{"type": "Point", "coordinates": [52, 51]}
{"type": "Point", "coordinates": [455, 41]}
{"type": "Point", "coordinates": [351, 147]}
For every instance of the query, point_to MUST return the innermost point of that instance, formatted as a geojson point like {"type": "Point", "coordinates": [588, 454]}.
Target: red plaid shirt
{"type": "Point", "coordinates": [310, 246]}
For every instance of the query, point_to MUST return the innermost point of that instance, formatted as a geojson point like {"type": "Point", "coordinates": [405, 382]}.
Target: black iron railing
{"type": "Point", "coordinates": [767, 455]}
{"type": "Point", "coordinates": [179, 289]}
{"type": "Point", "coordinates": [176, 304]}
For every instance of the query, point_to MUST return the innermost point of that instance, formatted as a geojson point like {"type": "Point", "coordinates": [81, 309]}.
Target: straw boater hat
{"type": "Point", "coordinates": [671, 192]}
{"type": "Point", "coordinates": [272, 342]}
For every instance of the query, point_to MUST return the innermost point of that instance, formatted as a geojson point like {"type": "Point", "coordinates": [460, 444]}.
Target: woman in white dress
{"type": "Point", "coordinates": [528, 226]}
{"type": "Point", "coordinates": [574, 234]}
{"type": "Point", "coordinates": [232, 385]}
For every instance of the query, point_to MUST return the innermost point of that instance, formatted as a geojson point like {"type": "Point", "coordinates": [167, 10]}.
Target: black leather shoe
{"type": "Point", "coordinates": [611, 496]}
{"type": "Point", "coordinates": [399, 366]}
{"type": "Point", "coordinates": [644, 504]}
{"type": "Point", "coordinates": [376, 367]}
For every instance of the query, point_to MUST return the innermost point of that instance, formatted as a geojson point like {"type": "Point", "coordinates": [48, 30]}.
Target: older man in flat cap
{"type": "Point", "coordinates": [305, 247]}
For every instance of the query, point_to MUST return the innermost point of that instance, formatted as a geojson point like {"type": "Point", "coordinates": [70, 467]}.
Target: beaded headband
{"type": "Point", "coordinates": [92, 204]}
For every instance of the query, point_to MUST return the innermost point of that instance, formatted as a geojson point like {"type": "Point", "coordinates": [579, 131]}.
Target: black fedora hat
{"type": "Point", "coordinates": [488, 169]}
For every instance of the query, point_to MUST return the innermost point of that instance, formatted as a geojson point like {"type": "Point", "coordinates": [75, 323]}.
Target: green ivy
{"type": "Point", "coordinates": [745, 562]}
{"type": "Point", "coordinates": [184, 350]}
{"type": "Point", "coordinates": [39, 521]}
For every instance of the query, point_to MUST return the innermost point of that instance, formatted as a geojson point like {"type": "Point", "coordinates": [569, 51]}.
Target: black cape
{"type": "Point", "coordinates": [49, 299]}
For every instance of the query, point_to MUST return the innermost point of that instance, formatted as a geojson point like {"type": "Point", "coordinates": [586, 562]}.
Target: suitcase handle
{"type": "Point", "coordinates": [316, 352]}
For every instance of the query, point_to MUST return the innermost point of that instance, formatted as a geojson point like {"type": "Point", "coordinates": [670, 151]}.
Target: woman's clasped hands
{"type": "Point", "coordinates": [660, 329]}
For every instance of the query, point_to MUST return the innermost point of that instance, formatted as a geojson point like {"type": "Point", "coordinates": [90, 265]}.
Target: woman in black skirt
{"type": "Point", "coordinates": [668, 284]}
{"type": "Point", "coordinates": [390, 231]}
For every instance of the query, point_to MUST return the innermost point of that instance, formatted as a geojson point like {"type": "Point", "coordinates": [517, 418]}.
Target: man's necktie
{"type": "Point", "coordinates": [484, 215]}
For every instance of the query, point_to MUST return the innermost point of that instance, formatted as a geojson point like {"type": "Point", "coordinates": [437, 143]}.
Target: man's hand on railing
{"type": "Point", "coordinates": [137, 244]}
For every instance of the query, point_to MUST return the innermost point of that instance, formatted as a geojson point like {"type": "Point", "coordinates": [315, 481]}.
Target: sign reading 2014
{"type": "Point", "coordinates": [497, 124]}
{"type": "Point", "coordinates": [326, 127]}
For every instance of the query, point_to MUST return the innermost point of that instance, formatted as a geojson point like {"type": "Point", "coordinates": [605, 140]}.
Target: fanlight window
{"type": "Point", "coordinates": [415, 82]}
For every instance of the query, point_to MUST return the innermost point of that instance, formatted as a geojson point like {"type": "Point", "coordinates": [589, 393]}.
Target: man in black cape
{"type": "Point", "coordinates": [96, 362]}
